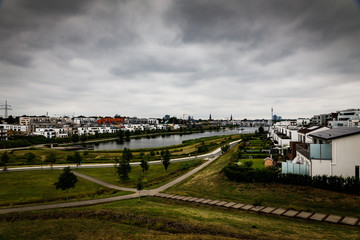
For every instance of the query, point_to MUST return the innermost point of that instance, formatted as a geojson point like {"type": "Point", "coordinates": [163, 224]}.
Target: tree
{"type": "Point", "coordinates": [127, 154]}
{"type": "Point", "coordinates": [166, 159]}
{"type": "Point", "coordinates": [66, 180]}
{"type": "Point", "coordinates": [225, 148]}
{"type": "Point", "coordinates": [140, 184]}
{"type": "Point", "coordinates": [83, 137]}
{"type": "Point", "coordinates": [123, 169]}
{"type": "Point", "coordinates": [29, 158]}
{"type": "Point", "coordinates": [120, 134]}
{"type": "Point", "coordinates": [77, 158]}
{"type": "Point", "coordinates": [4, 160]}
{"type": "Point", "coordinates": [75, 138]}
{"type": "Point", "coordinates": [144, 164]}
{"type": "Point", "coordinates": [127, 135]}
{"type": "Point", "coordinates": [261, 130]}
{"type": "Point", "coordinates": [51, 158]}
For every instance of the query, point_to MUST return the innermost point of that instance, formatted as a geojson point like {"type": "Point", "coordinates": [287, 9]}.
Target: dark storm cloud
{"type": "Point", "coordinates": [179, 56]}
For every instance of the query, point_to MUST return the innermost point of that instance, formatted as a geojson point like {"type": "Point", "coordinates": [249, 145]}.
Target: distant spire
{"type": "Point", "coordinates": [231, 117]}
{"type": "Point", "coordinates": [210, 117]}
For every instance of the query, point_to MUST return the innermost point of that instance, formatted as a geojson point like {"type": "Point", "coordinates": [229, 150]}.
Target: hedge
{"type": "Point", "coordinates": [333, 183]}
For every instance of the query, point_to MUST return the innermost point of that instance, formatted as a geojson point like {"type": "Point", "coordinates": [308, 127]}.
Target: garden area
{"type": "Point", "coordinates": [212, 183]}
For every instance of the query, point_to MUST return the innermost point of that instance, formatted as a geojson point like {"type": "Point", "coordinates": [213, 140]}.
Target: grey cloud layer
{"type": "Point", "coordinates": [150, 58]}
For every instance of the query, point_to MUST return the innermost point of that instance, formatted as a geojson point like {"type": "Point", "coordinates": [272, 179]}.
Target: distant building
{"type": "Point", "coordinates": [3, 134]}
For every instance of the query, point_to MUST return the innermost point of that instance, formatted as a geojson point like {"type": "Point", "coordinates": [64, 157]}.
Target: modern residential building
{"type": "Point", "coordinates": [15, 128]}
{"type": "Point", "coordinates": [335, 152]}
{"type": "Point", "coordinates": [51, 132]}
{"type": "Point", "coordinates": [346, 118]}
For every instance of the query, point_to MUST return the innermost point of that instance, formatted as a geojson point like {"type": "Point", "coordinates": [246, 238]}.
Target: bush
{"type": "Point", "coordinates": [270, 175]}
{"type": "Point", "coordinates": [190, 164]}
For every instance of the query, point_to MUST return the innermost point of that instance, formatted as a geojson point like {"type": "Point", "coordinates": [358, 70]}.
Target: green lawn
{"type": "Point", "coordinates": [211, 183]}
{"type": "Point", "coordinates": [156, 175]}
{"type": "Point", "coordinates": [156, 218]}
{"type": "Point", "coordinates": [30, 187]}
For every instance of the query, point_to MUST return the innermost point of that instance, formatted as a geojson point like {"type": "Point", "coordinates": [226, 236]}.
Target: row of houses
{"type": "Point", "coordinates": [319, 149]}
{"type": "Point", "coordinates": [92, 130]}
{"type": "Point", "coordinates": [343, 118]}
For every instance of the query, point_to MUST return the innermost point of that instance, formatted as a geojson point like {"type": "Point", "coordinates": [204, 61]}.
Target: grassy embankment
{"type": "Point", "coordinates": [155, 218]}
{"type": "Point", "coordinates": [155, 176]}
{"type": "Point", "coordinates": [211, 183]}
{"type": "Point", "coordinates": [182, 150]}
{"type": "Point", "coordinates": [36, 187]}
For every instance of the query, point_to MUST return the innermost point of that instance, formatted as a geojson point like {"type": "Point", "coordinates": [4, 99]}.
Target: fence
{"type": "Point", "coordinates": [289, 167]}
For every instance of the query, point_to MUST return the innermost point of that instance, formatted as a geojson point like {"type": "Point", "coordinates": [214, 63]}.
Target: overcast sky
{"type": "Point", "coordinates": [154, 57]}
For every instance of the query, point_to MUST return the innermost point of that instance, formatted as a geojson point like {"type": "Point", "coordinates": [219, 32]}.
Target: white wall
{"type": "Point", "coordinates": [346, 155]}
{"type": "Point", "coordinates": [320, 167]}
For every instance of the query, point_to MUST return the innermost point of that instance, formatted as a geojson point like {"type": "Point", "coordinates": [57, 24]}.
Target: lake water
{"type": "Point", "coordinates": [167, 140]}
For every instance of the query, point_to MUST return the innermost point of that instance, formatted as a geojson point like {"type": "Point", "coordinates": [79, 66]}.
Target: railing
{"type": "Point", "coordinates": [303, 150]}
{"type": "Point", "coordinates": [320, 151]}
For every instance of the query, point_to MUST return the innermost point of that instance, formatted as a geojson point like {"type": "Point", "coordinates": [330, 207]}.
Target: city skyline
{"type": "Point", "coordinates": [152, 58]}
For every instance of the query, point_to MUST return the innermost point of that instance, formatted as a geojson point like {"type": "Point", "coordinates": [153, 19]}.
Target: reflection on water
{"type": "Point", "coordinates": [166, 140]}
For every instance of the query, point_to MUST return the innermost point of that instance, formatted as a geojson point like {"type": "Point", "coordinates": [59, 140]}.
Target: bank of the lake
{"type": "Point", "coordinates": [166, 140]}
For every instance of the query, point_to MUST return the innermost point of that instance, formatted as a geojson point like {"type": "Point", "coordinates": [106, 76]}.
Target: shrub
{"type": "Point", "coordinates": [243, 173]}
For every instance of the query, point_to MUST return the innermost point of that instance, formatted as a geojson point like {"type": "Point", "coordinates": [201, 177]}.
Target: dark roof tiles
{"type": "Point", "coordinates": [336, 133]}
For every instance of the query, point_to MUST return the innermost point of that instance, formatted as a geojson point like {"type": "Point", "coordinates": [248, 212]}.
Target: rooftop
{"type": "Point", "coordinates": [336, 133]}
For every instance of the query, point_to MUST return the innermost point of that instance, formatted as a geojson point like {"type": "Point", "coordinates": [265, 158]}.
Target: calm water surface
{"type": "Point", "coordinates": [168, 140]}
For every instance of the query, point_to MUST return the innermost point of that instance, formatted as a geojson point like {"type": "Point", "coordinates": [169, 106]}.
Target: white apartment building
{"type": "Point", "coordinates": [15, 128]}
{"type": "Point", "coordinates": [346, 118]}
{"type": "Point", "coordinates": [51, 132]}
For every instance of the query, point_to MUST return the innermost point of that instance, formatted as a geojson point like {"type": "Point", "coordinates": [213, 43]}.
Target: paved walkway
{"type": "Point", "coordinates": [266, 210]}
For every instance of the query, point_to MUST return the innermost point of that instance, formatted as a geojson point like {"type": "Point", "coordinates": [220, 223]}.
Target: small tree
{"type": "Point", "coordinates": [4, 160]}
{"type": "Point", "coordinates": [166, 159]}
{"type": "Point", "coordinates": [248, 163]}
{"type": "Point", "coordinates": [83, 138]}
{"type": "Point", "coordinates": [77, 158]}
{"type": "Point", "coordinates": [140, 184]}
{"type": "Point", "coordinates": [51, 158]}
{"type": "Point", "coordinates": [75, 138]}
{"type": "Point", "coordinates": [261, 130]}
{"type": "Point", "coordinates": [225, 148]}
{"type": "Point", "coordinates": [66, 180]}
{"type": "Point", "coordinates": [123, 169]}
{"type": "Point", "coordinates": [29, 157]}
{"type": "Point", "coordinates": [127, 154]}
{"type": "Point", "coordinates": [127, 135]}
{"type": "Point", "coordinates": [120, 134]}
{"type": "Point", "coordinates": [144, 164]}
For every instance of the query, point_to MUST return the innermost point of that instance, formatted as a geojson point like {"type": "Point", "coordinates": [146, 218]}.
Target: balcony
{"type": "Point", "coordinates": [303, 149]}
{"type": "Point", "coordinates": [321, 151]}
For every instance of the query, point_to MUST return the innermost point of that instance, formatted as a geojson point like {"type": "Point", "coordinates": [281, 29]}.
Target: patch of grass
{"type": "Point", "coordinates": [34, 187]}
{"type": "Point", "coordinates": [211, 183]}
{"type": "Point", "coordinates": [156, 175]}
{"type": "Point", "coordinates": [156, 218]}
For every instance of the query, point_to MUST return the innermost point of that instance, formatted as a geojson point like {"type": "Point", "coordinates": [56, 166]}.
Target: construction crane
{"type": "Point", "coordinates": [6, 107]}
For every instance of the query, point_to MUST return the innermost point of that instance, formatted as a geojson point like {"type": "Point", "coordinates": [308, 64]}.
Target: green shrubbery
{"type": "Point", "coordinates": [270, 175]}
{"type": "Point", "coordinates": [190, 164]}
